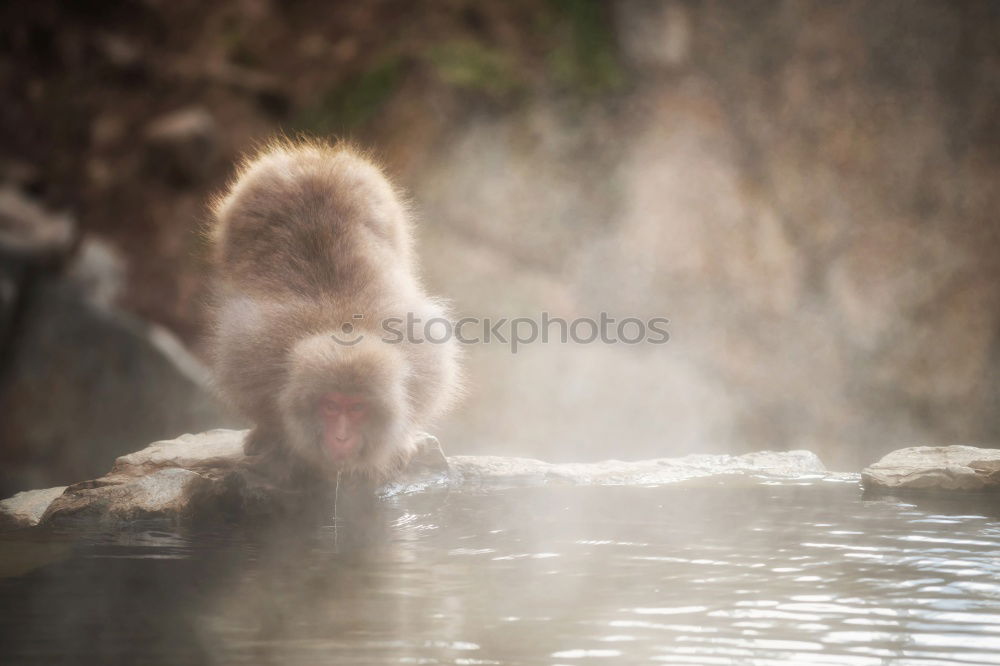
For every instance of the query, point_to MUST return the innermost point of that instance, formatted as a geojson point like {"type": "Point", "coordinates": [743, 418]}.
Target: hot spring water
{"type": "Point", "coordinates": [765, 572]}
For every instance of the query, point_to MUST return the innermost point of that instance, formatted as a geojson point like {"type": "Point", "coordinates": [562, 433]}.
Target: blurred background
{"type": "Point", "coordinates": [807, 190]}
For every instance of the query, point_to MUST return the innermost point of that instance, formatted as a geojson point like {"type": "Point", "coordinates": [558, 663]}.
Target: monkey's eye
{"type": "Point", "coordinates": [331, 408]}
{"type": "Point", "coordinates": [356, 409]}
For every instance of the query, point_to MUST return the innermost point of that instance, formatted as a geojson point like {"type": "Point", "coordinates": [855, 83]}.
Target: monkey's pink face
{"type": "Point", "coordinates": [343, 418]}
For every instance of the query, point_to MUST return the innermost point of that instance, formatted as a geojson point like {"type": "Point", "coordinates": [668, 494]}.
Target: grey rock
{"type": "Point", "coordinates": [83, 383]}
{"type": "Point", "coordinates": [207, 475]}
{"type": "Point", "coordinates": [935, 468]}
{"type": "Point", "coordinates": [26, 508]}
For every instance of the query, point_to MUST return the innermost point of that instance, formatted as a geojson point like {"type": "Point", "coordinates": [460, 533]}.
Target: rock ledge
{"type": "Point", "coordinates": [208, 475]}
{"type": "Point", "coordinates": [935, 468]}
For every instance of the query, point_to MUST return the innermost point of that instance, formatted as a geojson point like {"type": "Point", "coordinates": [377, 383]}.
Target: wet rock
{"type": "Point", "coordinates": [207, 476]}
{"type": "Point", "coordinates": [183, 145]}
{"type": "Point", "coordinates": [171, 479]}
{"type": "Point", "coordinates": [935, 468]}
{"type": "Point", "coordinates": [123, 498]}
{"type": "Point", "coordinates": [202, 477]}
{"type": "Point", "coordinates": [494, 470]}
{"type": "Point", "coordinates": [26, 508]}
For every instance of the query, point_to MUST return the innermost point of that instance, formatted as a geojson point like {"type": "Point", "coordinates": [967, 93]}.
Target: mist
{"type": "Point", "coordinates": [806, 191]}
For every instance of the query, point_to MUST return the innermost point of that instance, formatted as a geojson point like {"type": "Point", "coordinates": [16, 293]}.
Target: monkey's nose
{"type": "Point", "coordinates": [343, 429]}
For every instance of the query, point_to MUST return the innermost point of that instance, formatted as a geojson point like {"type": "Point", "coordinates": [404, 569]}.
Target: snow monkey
{"type": "Point", "coordinates": [312, 252]}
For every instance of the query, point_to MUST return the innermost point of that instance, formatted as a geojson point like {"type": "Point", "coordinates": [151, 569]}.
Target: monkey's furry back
{"type": "Point", "coordinates": [308, 216]}
{"type": "Point", "coordinates": [307, 236]}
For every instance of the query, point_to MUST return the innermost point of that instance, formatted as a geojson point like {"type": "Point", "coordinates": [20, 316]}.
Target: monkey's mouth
{"type": "Point", "coordinates": [343, 416]}
{"type": "Point", "coordinates": [340, 449]}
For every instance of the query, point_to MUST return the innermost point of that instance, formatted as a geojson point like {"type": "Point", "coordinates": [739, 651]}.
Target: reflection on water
{"type": "Point", "coordinates": [766, 574]}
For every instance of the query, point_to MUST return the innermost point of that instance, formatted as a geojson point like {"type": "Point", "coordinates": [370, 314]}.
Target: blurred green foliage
{"type": "Point", "coordinates": [468, 64]}
{"type": "Point", "coordinates": [572, 51]}
{"type": "Point", "coordinates": [584, 58]}
{"type": "Point", "coordinates": [354, 101]}
{"type": "Point", "coordinates": [236, 45]}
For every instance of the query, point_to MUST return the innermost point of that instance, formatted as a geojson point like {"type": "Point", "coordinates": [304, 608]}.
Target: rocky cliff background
{"type": "Point", "coordinates": [807, 190]}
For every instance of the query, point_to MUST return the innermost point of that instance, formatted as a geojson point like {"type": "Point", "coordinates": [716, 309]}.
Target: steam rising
{"type": "Point", "coordinates": [823, 257]}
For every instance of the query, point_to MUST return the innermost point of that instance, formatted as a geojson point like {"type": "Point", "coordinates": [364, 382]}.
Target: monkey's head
{"type": "Point", "coordinates": [344, 407]}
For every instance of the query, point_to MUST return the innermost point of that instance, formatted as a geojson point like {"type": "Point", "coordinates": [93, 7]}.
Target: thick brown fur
{"type": "Point", "coordinates": [308, 236]}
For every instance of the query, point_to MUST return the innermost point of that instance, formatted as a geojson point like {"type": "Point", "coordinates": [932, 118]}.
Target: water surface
{"type": "Point", "coordinates": [802, 572]}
